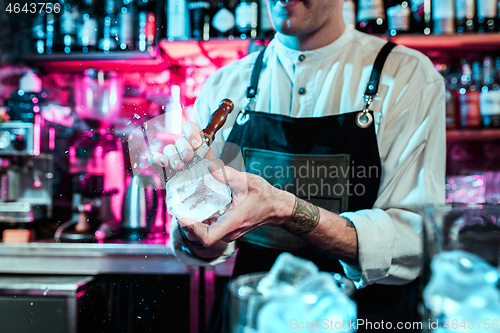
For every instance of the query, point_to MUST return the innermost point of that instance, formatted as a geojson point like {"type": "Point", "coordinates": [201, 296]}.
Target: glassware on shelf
{"type": "Point", "coordinates": [443, 17]}
{"type": "Point", "coordinates": [126, 38]}
{"type": "Point", "coordinates": [371, 17]}
{"type": "Point", "coordinates": [110, 27]}
{"type": "Point", "coordinates": [465, 16]}
{"type": "Point", "coordinates": [147, 24]}
{"type": "Point", "coordinates": [266, 29]}
{"type": "Point", "coordinates": [487, 16]}
{"type": "Point", "coordinates": [178, 25]}
{"type": "Point", "coordinates": [349, 13]}
{"type": "Point", "coordinates": [199, 13]}
{"type": "Point", "coordinates": [422, 13]}
{"type": "Point", "coordinates": [468, 96]}
{"type": "Point", "coordinates": [398, 17]}
{"type": "Point", "coordinates": [223, 19]}
{"type": "Point", "coordinates": [38, 34]}
{"type": "Point", "coordinates": [247, 16]}
{"type": "Point", "coordinates": [67, 28]}
{"type": "Point", "coordinates": [489, 97]}
{"type": "Point", "coordinates": [87, 27]}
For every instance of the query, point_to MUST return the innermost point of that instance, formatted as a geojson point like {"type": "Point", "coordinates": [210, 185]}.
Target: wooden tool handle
{"type": "Point", "coordinates": [218, 119]}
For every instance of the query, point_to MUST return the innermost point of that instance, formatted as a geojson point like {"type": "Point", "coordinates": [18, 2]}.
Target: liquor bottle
{"type": "Point", "coordinates": [349, 13]}
{"type": "Point", "coordinates": [371, 17]}
{"type": "Point", "coordinates": [126, 36]}
{"type": "Point", "coordinates": [38, 34]}
{"type": "Point", "coordinates": [453, 84]}
{"type": "Point", "coordinates": [489, 97]}
{"type": "Point", "coordinates": [200, 19]}
{"type": "Point", "coordinates": [110, 27]}
{"type": "Point", "coordinates": [49, 28]}
{"type": "Point", "coordinates": [443, 17]}
{"type": "Point", "coordinates": [266, 29]}
{"type": "Point", "coordinates": [223, 21]}
{"type": "Point", "coordinates": [422, 16]}
{"type": "Point", "coordinates": [67, 28]}
{"type": "Point", "coordinates": [451, 87]}
{"type": "Point", "coordinates": [247, 15]}
{"type": "Point", "coordinates": [487, 12]}
{"type": "Point", "coordinates": [178, 26]}
{"type": "Point", "coordinates": [147, 24]}
{"type": "Point", "coordinates": [468, 97]}
{"type": "Point", "coordinates": [465, 16]}
{"type": "Point", "coordinates": [87, 27]}
{"type": "Point", "coordinates": [398, 17]}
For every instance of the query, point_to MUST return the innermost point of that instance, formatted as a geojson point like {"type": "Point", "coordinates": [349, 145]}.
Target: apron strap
{"type": "Point", "coordinates": [372, 86]}
{"type": "Point", "coordinates": [254, 80]}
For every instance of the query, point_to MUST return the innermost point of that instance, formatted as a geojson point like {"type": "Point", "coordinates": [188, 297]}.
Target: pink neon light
{"type": "Point", "coordinates": [36, 109]}
{"type": "Point", "coordinates": [36, 135]}
{"type": "Point", "coordinates": [99, 153]}
{"type": "Point", "coordinates": [99, 235]}
{"type": "Point", "coordinates": [37, 183]}
{"type": "Point", "coordinates": [52, 138]}
{"type": "Point", "coordinates": [72, 155]}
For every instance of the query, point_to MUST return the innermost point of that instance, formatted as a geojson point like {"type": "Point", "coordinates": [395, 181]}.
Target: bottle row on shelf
{"type": "Point", "coordinates": [109, 25]}
{"type": "Point", "coordinates": [472, 93]}
{"type": "Point", "coordinates": [439, 17]}
{"type": "Point", "coordinates": [93, 25]}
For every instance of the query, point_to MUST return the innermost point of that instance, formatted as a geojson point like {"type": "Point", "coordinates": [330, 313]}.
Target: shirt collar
{"type": "Point", "coordinates": [286, 54]}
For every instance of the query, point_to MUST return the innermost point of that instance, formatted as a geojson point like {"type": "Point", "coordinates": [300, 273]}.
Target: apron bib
{"type": "Point", "coordinates": [332, 162]}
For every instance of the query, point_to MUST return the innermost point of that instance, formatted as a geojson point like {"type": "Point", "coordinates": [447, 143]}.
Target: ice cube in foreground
{"type": "Point", "coordinates": [297, 292]}
{"type": "Point", "coordinates": [463, 286]}
{"type": "Point", "coordinates": [287, 272]}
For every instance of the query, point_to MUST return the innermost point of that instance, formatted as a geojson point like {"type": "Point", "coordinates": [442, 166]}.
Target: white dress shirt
{"type": "Point", "coordinates": [409, 123]}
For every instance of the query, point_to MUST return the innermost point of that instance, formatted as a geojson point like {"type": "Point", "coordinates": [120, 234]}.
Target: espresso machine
{"type": "Point", "coordinates": [93, 219]}
{"type": "Point", "coordinates": [27, 144]}
{"type": "Point", "coordinates": [26, 174]}
{"type": "Point", "coordinates": [95, 161]}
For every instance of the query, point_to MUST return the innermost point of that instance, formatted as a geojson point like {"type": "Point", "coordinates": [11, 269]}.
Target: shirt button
{"type": "Point", "coordinates": [302, 91]}
{"type": "Point", "coordinates": [302, 57]}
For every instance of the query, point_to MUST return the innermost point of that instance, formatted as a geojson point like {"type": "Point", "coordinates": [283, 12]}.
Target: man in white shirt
{"type": "Point", "coordinates": [307, 103]}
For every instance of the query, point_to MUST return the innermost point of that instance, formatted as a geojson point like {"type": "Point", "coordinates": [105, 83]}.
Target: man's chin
{"type": "Point", "coordinates": [290, 30]}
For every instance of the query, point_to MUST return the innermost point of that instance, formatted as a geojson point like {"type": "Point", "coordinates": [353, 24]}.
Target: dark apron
{"type": "Point", "coordinates": [332, 162]}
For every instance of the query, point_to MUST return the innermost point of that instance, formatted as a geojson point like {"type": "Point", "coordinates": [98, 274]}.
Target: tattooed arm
{"type": "Point", "coordinates": [329, 232]}
{"type": "Point", "coordinates": [257, 203]}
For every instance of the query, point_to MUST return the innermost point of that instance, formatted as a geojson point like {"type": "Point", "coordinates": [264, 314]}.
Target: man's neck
{"type": "Point", "coordinates": [316, 40]}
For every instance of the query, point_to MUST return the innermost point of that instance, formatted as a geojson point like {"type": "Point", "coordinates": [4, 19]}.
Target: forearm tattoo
{"type": "Point", "coordinates": [348, 223]}
{"type": "Point", "coordinates": [304, 218]}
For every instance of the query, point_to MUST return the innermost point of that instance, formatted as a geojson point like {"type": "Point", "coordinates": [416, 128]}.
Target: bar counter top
{"type": "Point", "coordinates": [153, 256]}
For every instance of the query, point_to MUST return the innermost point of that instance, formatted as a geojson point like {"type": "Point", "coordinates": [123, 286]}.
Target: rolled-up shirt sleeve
{"type": "Point", "coordinates": [411, 141]}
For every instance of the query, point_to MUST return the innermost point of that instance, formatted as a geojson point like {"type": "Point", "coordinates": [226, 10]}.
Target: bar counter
{"type": "Point", "coordinates": [92, 259]}
{"type": "Point", "coordinates": [118, 258]}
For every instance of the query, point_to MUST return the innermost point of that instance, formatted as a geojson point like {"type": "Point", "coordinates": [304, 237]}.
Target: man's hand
{"type": "Point", "coordinates": [175, 156]}
{"type": "Point", "coordinates": [255, 203]}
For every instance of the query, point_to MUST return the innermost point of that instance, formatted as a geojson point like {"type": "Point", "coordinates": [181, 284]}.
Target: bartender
{"type": "Point", "coordinates": [323, 95]}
